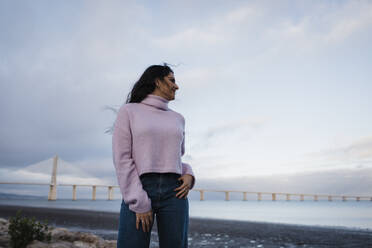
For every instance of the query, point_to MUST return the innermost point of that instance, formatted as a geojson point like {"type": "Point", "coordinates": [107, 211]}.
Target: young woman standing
{"type": "Point", "coordinates": [148, 142]}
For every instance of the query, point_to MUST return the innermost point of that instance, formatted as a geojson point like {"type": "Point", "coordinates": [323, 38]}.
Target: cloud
{"type": "Point", "coordinates": [188, 38]}
{"type": "Point", "coordinates": [23, 176]}
{"type": "Point", "coordinates": [356, 152]}
{"type": "Point", "coordinates": [321, 27]}
{"type": "Point", "coordinates": [352, 155]}
{"type": "Point", "coordinates": [352, 18]}
{"type": "Point", "coordinates": [54, 83]}
{"type": "Point", "coordinates": [229, 132]}
{"type": "Point", "coordinates": [88, 171]}
{"type": "Point", "coordinates": [232, 126]}
{"type": "Point", "coordinates": [213, 31]}
{"type": "Point", "coordinates": [57, 73]}
{"type": "Point", "coordinates": [334, 181]}
{"type": "Point", "coordinates": [261, 29]}
{"type": "Point", "coordinates": [193, 78]}
{"type": "Point", "coordinates": [243, 14]}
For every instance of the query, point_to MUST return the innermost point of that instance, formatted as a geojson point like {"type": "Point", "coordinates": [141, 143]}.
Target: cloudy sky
{"type": "Point", "coordinates": [276, 94]}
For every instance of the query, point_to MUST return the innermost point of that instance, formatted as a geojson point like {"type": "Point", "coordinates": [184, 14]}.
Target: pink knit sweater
{"type": "Point", "coordinates": [147, 137]}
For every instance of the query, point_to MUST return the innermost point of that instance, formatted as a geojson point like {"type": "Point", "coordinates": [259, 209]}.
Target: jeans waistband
{"type": "Point", "coordinates": [158, 174]}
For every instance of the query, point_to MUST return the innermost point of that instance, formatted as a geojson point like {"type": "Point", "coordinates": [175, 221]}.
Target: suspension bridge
{"type": "Point", "coordinates": [53, 185]}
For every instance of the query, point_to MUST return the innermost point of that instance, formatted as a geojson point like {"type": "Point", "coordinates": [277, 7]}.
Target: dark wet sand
{"type": "Point", "coordinates": [206, 232]}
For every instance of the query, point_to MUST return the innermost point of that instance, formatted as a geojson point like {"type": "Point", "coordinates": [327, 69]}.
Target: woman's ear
{"type": "Point", "coordinates": [157, 82]}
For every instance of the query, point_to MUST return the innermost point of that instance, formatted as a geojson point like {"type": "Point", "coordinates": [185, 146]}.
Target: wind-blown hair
{"type": "Point", "coordinates": [144, 86]}
{"type": "Point", "coordinates": [146, 83]}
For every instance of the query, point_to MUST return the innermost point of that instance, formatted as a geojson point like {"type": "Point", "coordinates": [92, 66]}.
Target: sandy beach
{"type": "Point", "coordinates": [206, 232]}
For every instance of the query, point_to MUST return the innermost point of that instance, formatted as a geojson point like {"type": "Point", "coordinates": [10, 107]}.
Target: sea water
{"type": "Point", "coordinates": [342, 214]}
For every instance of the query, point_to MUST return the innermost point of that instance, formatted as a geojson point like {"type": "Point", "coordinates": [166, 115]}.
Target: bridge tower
{"type": "Point", "coordinates": [52, 196]}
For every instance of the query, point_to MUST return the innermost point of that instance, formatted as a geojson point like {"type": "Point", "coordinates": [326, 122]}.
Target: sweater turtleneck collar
{"type": "Point", "coordinates": [156, 101]}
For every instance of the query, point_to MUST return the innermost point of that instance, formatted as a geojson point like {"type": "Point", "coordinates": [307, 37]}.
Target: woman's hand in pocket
{"type": "Point", "coordinates": [185, 186]}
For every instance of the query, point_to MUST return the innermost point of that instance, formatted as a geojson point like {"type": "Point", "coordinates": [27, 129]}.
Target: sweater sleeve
{"type": "Point", "coordinates": [128, 179]}
{"type": "Point", "coordinates": [186, 168]}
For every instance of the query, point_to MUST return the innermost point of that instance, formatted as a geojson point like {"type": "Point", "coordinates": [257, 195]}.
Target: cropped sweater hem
{"type": "Point", "coordinates": [170, 171]}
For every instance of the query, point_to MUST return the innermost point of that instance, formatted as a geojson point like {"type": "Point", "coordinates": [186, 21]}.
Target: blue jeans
{"type": "Point", "coordinates": [172, 214]}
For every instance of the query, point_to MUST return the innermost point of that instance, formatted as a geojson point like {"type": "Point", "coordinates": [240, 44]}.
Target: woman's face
{"type": "Point", "coordinates": [167, 88]}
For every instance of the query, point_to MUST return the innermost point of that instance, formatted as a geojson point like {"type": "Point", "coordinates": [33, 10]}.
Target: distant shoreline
{"type": "Point", "coordinates": [105, 224]}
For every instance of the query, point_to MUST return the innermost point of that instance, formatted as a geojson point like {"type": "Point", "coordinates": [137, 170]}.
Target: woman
{"type": "Point", "coordinates": [148, 142]}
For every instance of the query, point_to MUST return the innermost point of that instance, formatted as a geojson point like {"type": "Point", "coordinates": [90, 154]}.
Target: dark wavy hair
{"type": "Point", "coordinates": [146, 83]}
{"type": "Point", "coordinates": [144, 86]}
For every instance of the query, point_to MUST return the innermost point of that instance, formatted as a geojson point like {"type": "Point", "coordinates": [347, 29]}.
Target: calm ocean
{"type": "Point", "coordinates": [349, 214]}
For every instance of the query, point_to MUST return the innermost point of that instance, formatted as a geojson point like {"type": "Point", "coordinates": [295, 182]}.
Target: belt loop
{"type": "Point", "coordinates": [159, 190]}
